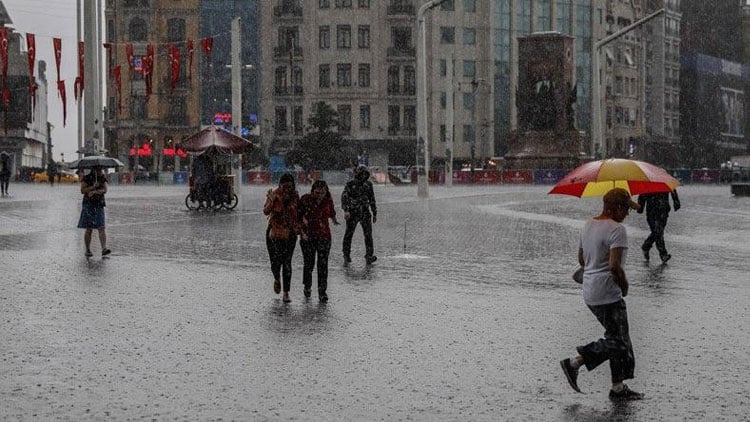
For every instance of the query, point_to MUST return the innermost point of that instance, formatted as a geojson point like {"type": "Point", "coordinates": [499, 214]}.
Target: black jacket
{"type": "Point", "coordinates": [657, 204]}
{"type": "Point", "coordinates": [358, 197]}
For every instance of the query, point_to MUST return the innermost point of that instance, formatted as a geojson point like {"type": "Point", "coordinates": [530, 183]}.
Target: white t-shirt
{"type": "Point", "coordinates": [598, 237]}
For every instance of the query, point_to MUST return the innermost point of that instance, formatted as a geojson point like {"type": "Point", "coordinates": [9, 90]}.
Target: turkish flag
{"type": "Point", "coordinates": [148, 69]}
{"type": "Point", "coordinates": [190, 50]}
{"type": "Point", "coordinates": [31, 57]}
{"type": "Point", "coordinates": [131, 57]}
{"type": "Point", "coordinates": [174, 54]}
{"type": "Point", "coordinates": [208, 45]}
{"type": "Point", "coordinates": [4, 52]}
{"type": "Point", "coordinates": [61, 93]}
{"type": "Point", "coordinates": [78, 86]}
{"type": "Point", "coordinates": [57, 44]}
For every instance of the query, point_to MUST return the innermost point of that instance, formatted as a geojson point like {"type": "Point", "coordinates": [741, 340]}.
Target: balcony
{"type": "Point", "coordinates": [285, 90]}
{"type": "Point", "coordinates": [283, 52]}
{"type": "Point", "coordinates": [402, 52]}
{"type": "Point", "coordinates": [287, 11]}
{"type": "Point", "coordinates": [401, 9]}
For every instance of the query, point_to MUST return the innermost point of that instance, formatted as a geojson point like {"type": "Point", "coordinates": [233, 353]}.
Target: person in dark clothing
{"type": "Point", "coordinates": [358, 203]}
{"type": "Point", "coordinates": [4, 172]}
{"type": "Point", "coordinates": [281, 235]}
{"type": "Point", "coordinates": [51, 173]}
{"type": "Point", "coordinates": [315, 209]}
{"type": "Point", "coordinates": [93, 188]}
{"type": "Point", "coordinates": [657, 212]}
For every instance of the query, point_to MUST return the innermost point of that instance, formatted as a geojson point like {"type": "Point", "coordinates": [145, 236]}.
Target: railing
{"type": "Point", "coordinates": [281, 52]}
{"type": "Point", "coordinates": [402, 52]}
{"type": "Point", "coordinates": [287, 10]}
{"type": "Point", "coordinates": [401, 9]}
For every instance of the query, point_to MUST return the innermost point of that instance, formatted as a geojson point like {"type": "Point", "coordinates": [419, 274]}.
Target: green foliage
{"type": "Point", "coordinates": [323, 117]}
{"type": "Point", "coordinates": [321, 148]}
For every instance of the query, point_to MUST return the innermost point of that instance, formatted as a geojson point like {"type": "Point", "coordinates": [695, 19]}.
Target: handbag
{"type": "Point", "coordinates": [578, 275]}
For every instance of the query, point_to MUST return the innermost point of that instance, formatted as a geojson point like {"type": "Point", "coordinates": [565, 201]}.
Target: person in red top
{"type": "Point", "coordinates": [315, 209]}
{"type": "Point", "coordinates": [281, 235]}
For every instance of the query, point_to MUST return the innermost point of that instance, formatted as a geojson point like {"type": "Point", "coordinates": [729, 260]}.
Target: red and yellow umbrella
{"type": "Point", "coordinates": [596, 178]}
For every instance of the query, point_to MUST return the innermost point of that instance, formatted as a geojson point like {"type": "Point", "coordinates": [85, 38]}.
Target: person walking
{"type": "Point", "coordinates": [281, 234]}
{"type": "Point", "coordinates": [315, 209]}
{"type": "Point", "coordinates": [657, 212]}
{"type": "Point", "coordinates": [93, 188]}
{"type": "Point", "coordinates": [4, 173]}
{"type": "Point", "coordinates": [51, 172]}
{"type": "Point", "coordinates": [601, 252]}
{"type": "Point", "coordinates": [358, 203]}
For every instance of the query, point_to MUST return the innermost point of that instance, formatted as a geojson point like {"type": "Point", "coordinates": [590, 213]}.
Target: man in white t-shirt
{"type": "Point", "coordinates": [602, 249]}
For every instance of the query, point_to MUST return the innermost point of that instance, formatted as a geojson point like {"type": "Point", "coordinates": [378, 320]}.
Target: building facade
{"type": "Point", "coordinates": [24, 132]}
{"type": "Point", "coordinates": [146, 117]}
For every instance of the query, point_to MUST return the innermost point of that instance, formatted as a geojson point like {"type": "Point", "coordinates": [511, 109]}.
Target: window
{"type": "Point", "coordinates": [343, 4]}
{"type": "Point", "coordinates": [468, 101]}
{"type": "Point", "coordinates": [394, 84]}
{"type": "Point", "coordinates": [345, 118]}
{"type": "Point", "coordinates": [364, 4]}
{"type": "Point", "coordinates": [401, 38]}
{"type": "Point", "coordinates": [471, 6]}
{"type": "Point", "coordinates": [137, 30]}
{"type": "Point", "coordinates": [297, 80]}
{"type": "Point", "coordinates": [364, 116]}
{"type": "Point", "coordinates": [410, 80]}
{"type": "Point", "coordinates": [280, 80]}
{"type": "Point", "coordinates": [297, 120]}
{"type": "Point", "coordinates": [344, 36]}
{"type": "Point", "coordinates": [363, 36]}
{"type": "Point", "coordinates": [469, 134]}
{"type": "Point", "coordinates": [470, 36]}
{"type": "Point", "coordinates": [442, 133]}
{"type": "Point", "coordinates": [447, 35]}
{"type": "Point", "coordinates": [447, 5]}
{"type": "Point", "coordinates": [410, 120]}
{"type": "Point", "coordinates": [443, 100]}
{"type": "Point", "coordinates": [443, 68]}
{"type": "Point", "coordinates": [137, 107]}
{"type": "Point", "coordinates": [363, 76]}
{"type": "Point", "coordinates": [394, 119]}
{"type": "Point", "coordinates": [470, 68]}
{"type": "Point", "coordinates": [280, 119]}
{"type": "Point", "coordinates": [344, 74]}
{"type": "Point", "coordinates": [324, 4]}
{"type": "Point", "coordinates": [324, 37]}
{"type": "Point", "coordinates": [324, 75]}
{"type": "Point", "coordinates": [175, 30]}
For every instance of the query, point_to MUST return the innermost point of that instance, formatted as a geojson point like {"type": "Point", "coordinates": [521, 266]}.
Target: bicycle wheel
{"type": "Point", "coordinates": [189, 203]}
{"type": "Point", "coordinates": [232, 202]}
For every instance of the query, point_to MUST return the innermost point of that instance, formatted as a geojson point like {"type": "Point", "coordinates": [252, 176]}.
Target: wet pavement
{"type": "Point", "coordinates": [464, 316]}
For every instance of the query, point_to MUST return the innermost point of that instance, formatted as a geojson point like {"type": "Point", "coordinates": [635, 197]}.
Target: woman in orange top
{"type": "Point", "coordinates": [281, 235]}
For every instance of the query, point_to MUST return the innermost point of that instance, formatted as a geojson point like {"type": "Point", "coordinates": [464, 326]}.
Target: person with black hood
{"type": "Point", "coordinates": [358, 203]}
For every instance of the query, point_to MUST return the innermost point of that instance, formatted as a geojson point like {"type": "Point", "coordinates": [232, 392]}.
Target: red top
{"type": "Point", "coordinates": [314, 216]}
{"type": "Point", "coordinates": [282, 213]}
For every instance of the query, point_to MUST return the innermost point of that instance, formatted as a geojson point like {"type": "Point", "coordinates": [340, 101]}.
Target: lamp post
{"type": "Point", "coordinates": [597, 132]}
{"type": "Point", "coordinates": [474, 91]}
{"type": "Point", "coordinates": [422, 129]}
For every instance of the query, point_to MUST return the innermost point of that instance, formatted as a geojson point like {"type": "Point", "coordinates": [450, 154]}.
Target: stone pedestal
{"type": "Point", "coordinates": [544, 150]}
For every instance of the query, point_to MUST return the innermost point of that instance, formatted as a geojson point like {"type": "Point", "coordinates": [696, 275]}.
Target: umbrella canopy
{"type": "Point", "coordinates": [596, 178]}
{"type": "Point", "coordinates": [214, 139]}
{"type": "Point", "coordinates": [95, 161]}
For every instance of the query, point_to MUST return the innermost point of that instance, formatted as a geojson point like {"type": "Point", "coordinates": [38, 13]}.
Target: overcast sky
{"type": "Point", "coordinates": [49, 19]}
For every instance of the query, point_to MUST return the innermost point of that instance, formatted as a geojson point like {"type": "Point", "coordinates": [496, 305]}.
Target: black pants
{"type": "Point", "coordinates": [657, 225]}
{"type": "Point", "coordinates": [280, 251]}
{"type": "Point", "coordinates": [351, 224]}
{"type": "Point", "coordinates": [4, 181]}
{"type": "Point", "coordinates": [615, 346]}
{"type": "Point", "coordinates": [311, 249]}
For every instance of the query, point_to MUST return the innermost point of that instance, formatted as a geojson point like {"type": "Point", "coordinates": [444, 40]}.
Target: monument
{"type": "Point", "coordinates": [546, 137]}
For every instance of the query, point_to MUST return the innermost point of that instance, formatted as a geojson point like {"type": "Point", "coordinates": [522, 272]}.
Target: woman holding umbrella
{"type": "Point", "coordinates": [93, 188]}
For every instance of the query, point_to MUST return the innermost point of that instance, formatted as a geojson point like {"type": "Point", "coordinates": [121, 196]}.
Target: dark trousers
{"type": "Point", "coordinates": [615, 346]}
{"type": "Point", "coordinates": [657, 225]}
{"type": "Point", "coordinates": [4, 181]}
{"type": "Point", "coordinates": [280, 251]}
{"type": "Point", "coordinates": [311, 249]}
{"type": "Point", "coordinates": [351, 225]}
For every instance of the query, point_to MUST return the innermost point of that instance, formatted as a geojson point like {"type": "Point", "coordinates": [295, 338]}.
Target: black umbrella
{"type": "Point", "coordinates": [95, 161]}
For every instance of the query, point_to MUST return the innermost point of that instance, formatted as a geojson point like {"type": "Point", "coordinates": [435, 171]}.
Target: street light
{"type": "Point", "coordinates": [597, 132]}
{"type": "Point", "coordinates": [422, 183]}
{"type": "Point", "coordinates": [474, 91]}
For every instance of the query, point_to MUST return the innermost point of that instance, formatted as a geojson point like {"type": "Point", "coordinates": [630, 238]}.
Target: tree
{"type": "Point", "coordinates": [321, 148]}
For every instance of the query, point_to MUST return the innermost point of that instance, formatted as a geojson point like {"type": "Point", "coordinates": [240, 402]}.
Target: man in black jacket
{"type": "Point", "coordinates": [358, 203]}
{"type": "Point", "coordinates": [657, 212]}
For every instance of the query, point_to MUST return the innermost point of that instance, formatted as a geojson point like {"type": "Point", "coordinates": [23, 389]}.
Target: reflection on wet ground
{"type": "Point", "coordinates": [464, 316]}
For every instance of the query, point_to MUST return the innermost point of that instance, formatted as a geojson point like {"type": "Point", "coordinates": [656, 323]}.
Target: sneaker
{"type": "Point", "coordinates": [347, 259]}
{"type": "Point", "coordinates": [370, 259]}
{"type": "Point", "coordinates": [625, 394]}
{"type": "Point", "coordinates": [286, 298]}
{"type": "Point", "coordinates": [276, 286]}
{"type": "Point", "coordinates": [307, 292]}
{"type": "Point", "coordinates": [570, 373]}
{"type": "Point", "coordinates": [89, 254]}
{"type": "Point", "coordinates": [106, 252]}
{"type": "Point", "coordinates": [646, 254]}
{"type": "Point", "coordinates": [666, 257]}
{"type": "Point", "coordinates": [324, 298]}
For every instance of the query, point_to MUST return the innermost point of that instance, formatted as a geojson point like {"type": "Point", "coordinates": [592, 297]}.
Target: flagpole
{"type": "Point", "coordinates": [80, 103]}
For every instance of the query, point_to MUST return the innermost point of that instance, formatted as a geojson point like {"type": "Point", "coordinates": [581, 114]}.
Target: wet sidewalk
{"type": "Point", "coordinates": [464, 316]}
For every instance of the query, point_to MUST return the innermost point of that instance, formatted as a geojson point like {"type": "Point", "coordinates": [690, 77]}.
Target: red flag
{"type": "Point", "coordinates": [148, 69]}
{"type": "Point", "coordinates": [190, 50]}
{"type": "Point", "coordinates": [31, 57]}
{"type": "Point", "coordinates": [4, 52]}
{"type": "Point", "coordinates": [61, 93]}
{"type": "Point", "coordinates": [57, 44]}
{"type": "Point", "coordinates": [131, 57]}
{"type": "Point", "coordinates": [78, 85]}
{"type": "Point", "coordinates": [118, 88]}
{"type": "Point", "coordinates": [108, 46]}
{"type": "Point", "coordinates": [208, 45]}
{"type": "Point", "coordinates": [174, 54]}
